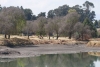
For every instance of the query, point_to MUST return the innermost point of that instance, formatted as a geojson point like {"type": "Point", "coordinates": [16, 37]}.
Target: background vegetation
{"type": "Point", "coordinates": [78, 22]}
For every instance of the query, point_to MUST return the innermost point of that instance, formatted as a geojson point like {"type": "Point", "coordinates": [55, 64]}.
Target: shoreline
{"type": "Point", "coordinates": [37, 50]}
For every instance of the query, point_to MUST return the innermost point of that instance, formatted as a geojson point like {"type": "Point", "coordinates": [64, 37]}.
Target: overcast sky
{"type": "Point", "coordinates": [38, 6]}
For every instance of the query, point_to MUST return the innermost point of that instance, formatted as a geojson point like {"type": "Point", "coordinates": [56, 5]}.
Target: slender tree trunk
{"type": "Point", "coordinates": [70, 35]}
{"type": "Point", "coordinates": [5, 36]}
{"type": "Point", "coordinates": [79, 35]}
{"type": "Point", "coordinates": [49, 36]}
{"type": "Point", "coordinates": [82, 36]}
{"type": "Point", "coordinates": [9, 36]}
{"type": "Point", "coordinates": [28, 34]}
{"type": "Point", "coordinates": [40, 35]}
{"type": "Point", "coordinates": [57, 36]}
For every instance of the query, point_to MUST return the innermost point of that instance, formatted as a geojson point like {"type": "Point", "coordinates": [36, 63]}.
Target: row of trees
{"type": "Point", "coordinates": [63, 21]}
{"type": "Point", "coordinates": [68, 25]}
{"type": "Point", "coordinates": [84, 11]}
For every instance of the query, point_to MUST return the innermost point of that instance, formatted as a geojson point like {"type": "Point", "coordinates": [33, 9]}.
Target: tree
{"type": "Point", "coordinates": [49, 27]}
{"type": "Point", "coordinates": [60, 11]}
{"type": "Point", "coordinates": [92, 28]}
{"type": "Point", "coordinates": [34, 17]}
{"type": "Point", "coordinates": [91, 15]}
{"type": "Point", "coordinates": [84, 32]}
{"type": "Point", "coordinates": [0, 8]}
{"type": "Point", "coordinates": [28, 14]}
{"type": "Point", "coordinates": [51, 14]}
{"type": "Point", "coordinates": [40, 23]}
{"type": "Point", "coordinates": [96, 24]}
{"type": "Point", "coordinates": [88, 5]}
{"type": "Point", "coordinates": [56, 25]}
{"type": "Point", "coordinates": [13, 20]}
{"type": "Point", "coordinates": [99, 23]}
{"type": "Point", "coordinates": [42, 14]}
{"type": "Point", "coordinates": [71, 19]}
{"type": "Point", "coordinates": [5, 25]}
{"type": "Point", "coordinates": [28, 28]}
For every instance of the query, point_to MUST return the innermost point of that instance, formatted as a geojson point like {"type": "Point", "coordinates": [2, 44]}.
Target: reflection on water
{"type": "Point", "coordinates": [58, 60]}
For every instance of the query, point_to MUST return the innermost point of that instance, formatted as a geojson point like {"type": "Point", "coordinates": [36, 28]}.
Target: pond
{"type": "Point", "coordinates": [87, 59]}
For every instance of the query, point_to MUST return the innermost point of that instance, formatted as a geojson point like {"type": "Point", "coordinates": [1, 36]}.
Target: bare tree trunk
{"type": "Point", "coordinates": [82, 36]}
{"type": "Point", "coordinates": [49, 36]}
{"type": "Point", "coordinates": [70, 35]}
{"type": "Point", "coordinates": [9, 36]}
{"type": "Point", "coordinates": [5, 36]}
{"type": "Point", "coordinates": [57, 36]}
{"type": "Point", "coordinates": [28, 36]}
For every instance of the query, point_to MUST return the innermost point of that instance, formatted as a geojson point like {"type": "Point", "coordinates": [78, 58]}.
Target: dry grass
{"type": "Point", "coordinates": [94, 53]}
{"type": "Point", "coordinates": [18, 40]}
{"type": "Point", "coordinates": [93, 44]}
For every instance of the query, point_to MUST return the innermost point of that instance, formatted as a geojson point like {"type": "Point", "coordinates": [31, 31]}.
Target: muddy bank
{"type": "Point", "coordinates": [35, 50]}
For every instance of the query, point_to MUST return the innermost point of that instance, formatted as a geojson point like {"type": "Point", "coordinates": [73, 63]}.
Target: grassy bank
{"type": "Point", "coordinates": [34, 40]}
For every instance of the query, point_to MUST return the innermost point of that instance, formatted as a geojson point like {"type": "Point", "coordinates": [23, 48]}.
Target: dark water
{"type": "Point", "coordinates": [58, 60]}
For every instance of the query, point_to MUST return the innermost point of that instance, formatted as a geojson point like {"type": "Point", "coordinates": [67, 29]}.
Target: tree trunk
{"type": "Point", "coordinates": [28, 36]}
{"type": "Point", "coordinates": [9, 36]}
{"type": "Point", "coordinates": [82, 36]}
{"type": "Point", "coordinates": [49, 36]}
{"type": "Point", "coordinates": [70, 35]}
{"type": "Point", "coordinates": [57, 36]}
{"type": "Point", "coordinates": [5, 36]}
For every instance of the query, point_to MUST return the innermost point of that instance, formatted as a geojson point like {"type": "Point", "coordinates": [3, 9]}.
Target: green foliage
{"type": "Point", "coordinates": [92, 28]}
{"type": "Point", "coordinates": [28, 14]}
{"type": "Point", "coordinates": [0, 8]}
{"type": "Point", "coordinates": [96, 24]}
{"type": "Point", "coordinates": [60, 11]}
{"type": "Point", "coordinates": [42, 14]}
{"type": "Point", "coordinates": [71, 10]}
{"type": "Point", "coordinates": [13, 20]}
{"type": "Point", "coordinates": [88, 4]}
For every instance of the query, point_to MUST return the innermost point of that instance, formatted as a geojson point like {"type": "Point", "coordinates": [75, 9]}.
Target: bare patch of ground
{"type": "Point", "coordinates": [43, 46]}
{"type": "Point", "coordinates": [35, 50]}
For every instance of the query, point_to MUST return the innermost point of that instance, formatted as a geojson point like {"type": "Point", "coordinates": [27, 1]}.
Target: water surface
{"type": "Point", "coordinates": [54, 60]}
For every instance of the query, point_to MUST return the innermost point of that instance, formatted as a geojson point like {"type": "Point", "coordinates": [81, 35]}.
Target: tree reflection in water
{"type": "Point", "coordinates": [58, 60]}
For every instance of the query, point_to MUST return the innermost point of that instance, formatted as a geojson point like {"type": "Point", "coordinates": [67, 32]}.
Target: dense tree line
{"type": "Point", "coordinates": [77, 21]}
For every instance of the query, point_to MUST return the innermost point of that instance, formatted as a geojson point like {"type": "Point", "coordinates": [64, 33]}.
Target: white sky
{"type": "Point", "coordinates": [38, 6]}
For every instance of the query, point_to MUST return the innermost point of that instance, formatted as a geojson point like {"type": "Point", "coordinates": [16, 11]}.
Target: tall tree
{"type": "Point", "coordinates": [40, 23]}
{"type": "Point", "coordinates": [84, 32]}
{"type": "Point", "coordinates": [42, 14]}
{"type": "Point", "coordinates": [28, 28]}
{"type": "Point", "coordinates": [51, 14]}
{"type": "Point", "coordinates": [13, 18]}
{"type": "Point", "coordinates": [71, 19]}
{"type": "Point", "coordinates": [56, 25]}
{"type": "Point", "coordinates": [0, 8]}
{"type": "Point", "coordinates": [49, 27]}
{"type": "Point", "coordinates": [92, 28]}
{"type": "Point", "coordinates": [91, 15]}
{"type": "Point", "coordinates": [28, 14]}
{"type": "Point", "coordinates": [88, 5]}
{"type": "Point", "coordinates": [96, 24]}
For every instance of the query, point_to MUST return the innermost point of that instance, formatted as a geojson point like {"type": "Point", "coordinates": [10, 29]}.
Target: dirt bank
{"type": "Point", "coordinates": [30, 51]}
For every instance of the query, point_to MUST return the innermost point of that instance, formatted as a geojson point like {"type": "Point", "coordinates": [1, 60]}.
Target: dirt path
{"type": "Point", "coordinates": [30, 51]}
